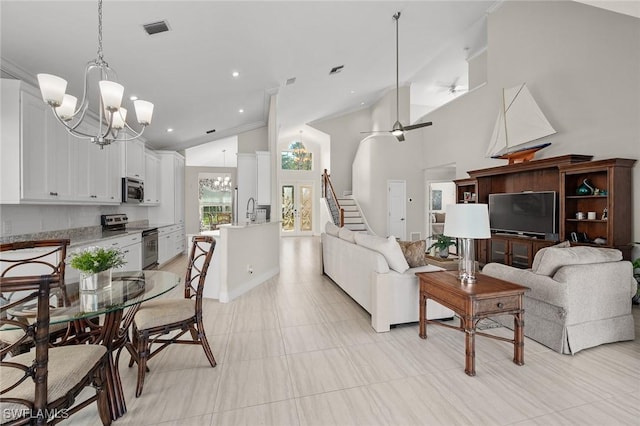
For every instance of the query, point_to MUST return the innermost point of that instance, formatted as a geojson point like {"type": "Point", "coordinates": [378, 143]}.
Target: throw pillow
{"type": "Point", "coordinates": [332, 229]}
{"type": "Point", "coordinates": [347, 235]}
{"type": "Point", "coordinates": [540, 254]}
{"type": "Point", "coordinates": [414, 252]}
{"type": "Point", "coordinates": [554, 258]}
{"type": "Point", "coordinates": [387, 247]}
{"type": "Point", "coordinates": [439, 217]}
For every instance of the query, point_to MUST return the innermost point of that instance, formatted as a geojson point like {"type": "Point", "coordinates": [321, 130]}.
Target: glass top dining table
{"type": "Point", "coordinates": [98, 317]}
{"type": "Point", "coordinates": [125, 289]}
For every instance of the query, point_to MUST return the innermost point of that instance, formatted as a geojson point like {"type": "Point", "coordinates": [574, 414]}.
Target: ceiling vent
{"type": "Point", "coordinates": [290, 81]}
{"type": "Point", "coordinates": [211, 131]}
{"type": "Point", "coordinates": [156, 27]}
{"type": "Point", "coordinates": [336, 70]}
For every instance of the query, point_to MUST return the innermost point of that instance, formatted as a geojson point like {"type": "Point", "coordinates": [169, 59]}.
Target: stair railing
{"type": "Point", "coordinates": [329, 194]}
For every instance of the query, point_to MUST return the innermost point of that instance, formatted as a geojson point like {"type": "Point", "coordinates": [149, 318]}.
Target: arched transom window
{"type": "Point", "coordinates": [296, 157]}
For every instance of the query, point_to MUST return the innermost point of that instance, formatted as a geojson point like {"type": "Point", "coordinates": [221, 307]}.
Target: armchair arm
{"type": "Point", "coordinates": [541, 287]}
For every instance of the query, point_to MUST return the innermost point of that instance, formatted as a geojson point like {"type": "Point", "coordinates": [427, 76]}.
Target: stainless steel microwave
{"type": "Point", "coordinates": [132, 190]}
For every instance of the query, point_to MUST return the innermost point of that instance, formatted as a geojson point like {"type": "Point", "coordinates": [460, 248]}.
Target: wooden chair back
{"type": "Point", "coordinates": [199, 259]}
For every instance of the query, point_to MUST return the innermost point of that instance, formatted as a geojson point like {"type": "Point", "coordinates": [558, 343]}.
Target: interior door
{"type": "Point", "coordinates": [397, 209]}
{"type": "Point", "coordinates": [297, 201]}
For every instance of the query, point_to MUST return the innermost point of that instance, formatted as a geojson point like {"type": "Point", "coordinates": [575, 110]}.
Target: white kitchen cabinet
{"type": "Point", "coordinates": [171, 242]}
{"type": "Point", "coordinates": [171, 207]}
{"type": "Point", "coordinates": [152, 179]}
{"type": "Point", "coordinates": [134, 159]}
{"type": "Point", "coordinates": [35, 150]}
{"type": "Point", "coordinates": [41, 163]}
{"type": "Point", "coordinates": [263, 175]}
{"type": "Point", "coordinates": [96, 170]}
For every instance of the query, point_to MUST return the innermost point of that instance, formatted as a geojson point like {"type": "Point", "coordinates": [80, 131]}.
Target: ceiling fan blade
{"type": "Point", "coordinates": [378, 131]}
{"type": "Point", "coordinates": [417, 126]}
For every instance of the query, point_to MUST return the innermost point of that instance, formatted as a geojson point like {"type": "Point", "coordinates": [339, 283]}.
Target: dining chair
{"type": "Point", "coordinates": [29, 260]}
{"type": "Point", "coordinates": [41, 386]}
{"type": "Point", "coordinates": [157, 318]}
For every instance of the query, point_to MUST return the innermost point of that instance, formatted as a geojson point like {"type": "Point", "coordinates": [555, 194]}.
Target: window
{"type": "Point", "coordinates": [297, 157]}
{"type": "Point", "coordinates": [214, 200]}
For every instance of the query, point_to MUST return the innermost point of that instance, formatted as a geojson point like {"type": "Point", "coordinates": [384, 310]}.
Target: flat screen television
{"type": "Point", "coordinates": [525, 213]}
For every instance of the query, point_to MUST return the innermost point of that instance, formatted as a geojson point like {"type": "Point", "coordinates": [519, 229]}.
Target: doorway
{"type": "Point", "coordinates": [396, 208]}
{"type": "Point", "coordinates": [297, 200]}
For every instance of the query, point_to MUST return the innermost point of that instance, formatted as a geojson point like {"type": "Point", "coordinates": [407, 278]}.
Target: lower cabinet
{"type": "Point", "coordinates": [515, 251]}
{"type": "Point", "coordinates": [171, 242]}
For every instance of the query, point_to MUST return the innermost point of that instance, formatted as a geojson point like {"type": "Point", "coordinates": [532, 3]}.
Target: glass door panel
{"type": "Point", "coordinates": [288, 203]}
{"type": "Point", "coordinates": [297, 201]}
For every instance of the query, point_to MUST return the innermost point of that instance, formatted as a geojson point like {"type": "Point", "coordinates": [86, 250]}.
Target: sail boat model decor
{"type": "Point", "coordinates": [519, 123]}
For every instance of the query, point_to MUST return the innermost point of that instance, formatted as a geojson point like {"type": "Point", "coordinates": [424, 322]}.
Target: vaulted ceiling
{"type": "Point", "coordinates": [187, 72]}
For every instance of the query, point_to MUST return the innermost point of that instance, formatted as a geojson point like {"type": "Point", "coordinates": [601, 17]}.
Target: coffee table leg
{"type": "Point", "coordinates": [423, 316]}
{"type": "Point", "coordinates": [470, 346]}
{"type": "Point", "coordinates": [518, 338]}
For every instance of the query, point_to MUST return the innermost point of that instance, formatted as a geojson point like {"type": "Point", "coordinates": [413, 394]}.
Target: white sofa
{"type": "Point", "coordinates": [364, 274]}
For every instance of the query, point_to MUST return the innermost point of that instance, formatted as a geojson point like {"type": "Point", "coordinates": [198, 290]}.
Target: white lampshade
{"type": "Point", "coordinates": [144, 111]}
{"type": "Point", "coordinates": [467, 221]}
{"type": "Point", "coordinates": [119, 117]}
{"type": "Point", "coordinates": [67, 108]}
{"type": "Point", "coordinates": [111, 93]}
{"type": "Point", "coordinates": [52, 88]}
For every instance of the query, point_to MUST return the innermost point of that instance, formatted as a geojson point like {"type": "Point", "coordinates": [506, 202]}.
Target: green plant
{"type": "Point", "coordinates": [442, 242]}
{"type": "Point", "coordinates": [636, 266]}
{"type": "Point", "coordinates": [96, 259]}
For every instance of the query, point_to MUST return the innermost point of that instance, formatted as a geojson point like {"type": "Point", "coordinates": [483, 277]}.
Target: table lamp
{"type": "Point", "coordinates": [467, 221]}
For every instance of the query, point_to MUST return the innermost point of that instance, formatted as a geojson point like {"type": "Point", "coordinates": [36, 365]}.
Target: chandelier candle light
{"type": "Point", "coordinates": [467, 221]}
{"type": "Point", "coordinates": [112, 116]}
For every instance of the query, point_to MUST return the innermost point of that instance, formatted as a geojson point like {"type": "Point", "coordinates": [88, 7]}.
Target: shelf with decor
{"type": "Point", "coordinates": [601, 189]}
{"type": "Point", "coordinates": [466, 190]}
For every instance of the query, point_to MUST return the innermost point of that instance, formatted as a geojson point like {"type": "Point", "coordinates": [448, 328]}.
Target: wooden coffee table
{"type": "Point", "coordinates": [487, 297]}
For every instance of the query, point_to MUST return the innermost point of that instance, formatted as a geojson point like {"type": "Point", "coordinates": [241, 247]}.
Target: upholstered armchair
{"type": "Point", "coordinates": [579, 297]}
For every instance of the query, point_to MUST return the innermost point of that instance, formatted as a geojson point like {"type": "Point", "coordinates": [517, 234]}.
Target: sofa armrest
{"type": "Point", "coordinates": [541, 287]}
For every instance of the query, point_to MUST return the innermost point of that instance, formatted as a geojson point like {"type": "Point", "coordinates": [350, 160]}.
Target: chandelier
{"type": "Point", "coordinates": [220, 184]}
{"type": "Point", "coordinates": [112, 116]}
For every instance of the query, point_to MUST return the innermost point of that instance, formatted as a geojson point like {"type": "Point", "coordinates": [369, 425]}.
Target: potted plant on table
{"type": "Point", "coordinates": [95, 265]}
{"type": "Point", "coordinates": [442, 244]}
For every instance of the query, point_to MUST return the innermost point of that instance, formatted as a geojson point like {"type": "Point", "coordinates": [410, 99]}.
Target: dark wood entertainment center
{"type": "Point", "coordinates": [563, 174]}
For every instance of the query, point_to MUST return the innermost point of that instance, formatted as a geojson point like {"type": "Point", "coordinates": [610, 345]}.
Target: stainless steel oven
{"type": "Point", "coordinates": [132, 190]}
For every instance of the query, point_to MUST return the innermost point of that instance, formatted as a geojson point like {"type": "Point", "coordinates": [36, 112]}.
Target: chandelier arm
{"type": "Point", "coordinates": [71, 129]}
{"type": "Point", "coordinates": [135, 136]}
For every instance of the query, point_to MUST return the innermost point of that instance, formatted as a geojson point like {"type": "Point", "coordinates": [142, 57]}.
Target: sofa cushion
{"type": "Point", "coordinates": [439, 217]}
{"type": "Point", "coordinates": [347, 235]}
{"type": "Point", "coordinates": [554, 258]}
{"type": "Point", "coordinates": [540, 254]}
{"type": "Point", "coordinates": [388, 247]}
{"type": "Point", "coordinates": [332, 229]}
{"type": "Point", "coordinates": [413, 252]}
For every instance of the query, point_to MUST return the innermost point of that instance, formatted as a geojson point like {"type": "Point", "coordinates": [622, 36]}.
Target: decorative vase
{"type": "Point", "coordinates": [444, 253]}
{"type": "Point", "coordinates": [94, 281]}
{"type": "Point", "coordinates": [586, 188]}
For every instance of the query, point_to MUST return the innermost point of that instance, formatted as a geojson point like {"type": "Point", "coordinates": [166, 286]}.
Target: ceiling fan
{"type": "Point", "coordinates": [453, 87]}
{"type": "Point", "coordinates": [398, 129]}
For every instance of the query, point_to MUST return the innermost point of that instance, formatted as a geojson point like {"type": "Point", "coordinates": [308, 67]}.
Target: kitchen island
{"type": "Point", "coordinates": [245, 256]}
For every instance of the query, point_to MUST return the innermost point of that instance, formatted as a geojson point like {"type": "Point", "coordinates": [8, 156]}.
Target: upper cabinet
{"type": "Point", "coordinates": [171, 207]}
{"type": "Point", "coordinates": [40, 162]}
{"type": "Point", "coordinates": [134, 159]}
{"type": "Point", "coordinates": [152, 178]}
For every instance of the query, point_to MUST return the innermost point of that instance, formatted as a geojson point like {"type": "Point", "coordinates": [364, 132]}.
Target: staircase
{"type": "Point", "coordinates": [352, 215]}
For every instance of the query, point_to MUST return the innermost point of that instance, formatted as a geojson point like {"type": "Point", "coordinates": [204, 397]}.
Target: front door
{"type": "Point", "coordinates": [297, 208]}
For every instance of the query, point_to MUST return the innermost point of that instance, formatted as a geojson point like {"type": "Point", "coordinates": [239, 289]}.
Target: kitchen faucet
{"type": "Point", "coordinates": [251, 215]}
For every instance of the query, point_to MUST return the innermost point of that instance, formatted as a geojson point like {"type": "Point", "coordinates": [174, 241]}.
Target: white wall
{"type": "Point", "coordinates": [344, 133]}
{"type": "Point", "coordinates": [254, 140]}
{"type": "Point", "coordinates": [582, 65]}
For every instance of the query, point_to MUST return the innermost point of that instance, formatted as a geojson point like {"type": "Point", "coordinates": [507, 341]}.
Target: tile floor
{"type": "Point", "coordinates": [298, 351]}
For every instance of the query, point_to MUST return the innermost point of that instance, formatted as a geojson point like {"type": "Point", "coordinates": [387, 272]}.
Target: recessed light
{"type": "Point", "coordinates": [361, 103]}
{"type": "Point", "coordinates": [133, 98]}
{"type": "Point", "coordinates": [353, 91]}
{"type": "Point", "coordinates": [169, 130]}
{"type": "Point", "coordinates": [235, 74]}
{"type": "Point", "coordinates": [240, 110]}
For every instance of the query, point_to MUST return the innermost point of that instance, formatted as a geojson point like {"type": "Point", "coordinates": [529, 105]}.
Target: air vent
{"type": "Point", "coordinates": [290, 81]}
{"type": "Point", "coordinates": [336, 70]}
{"type": "Point", "coordinates": [211, 131]}
{"type": "Point", "coordinates": [156, 27]}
